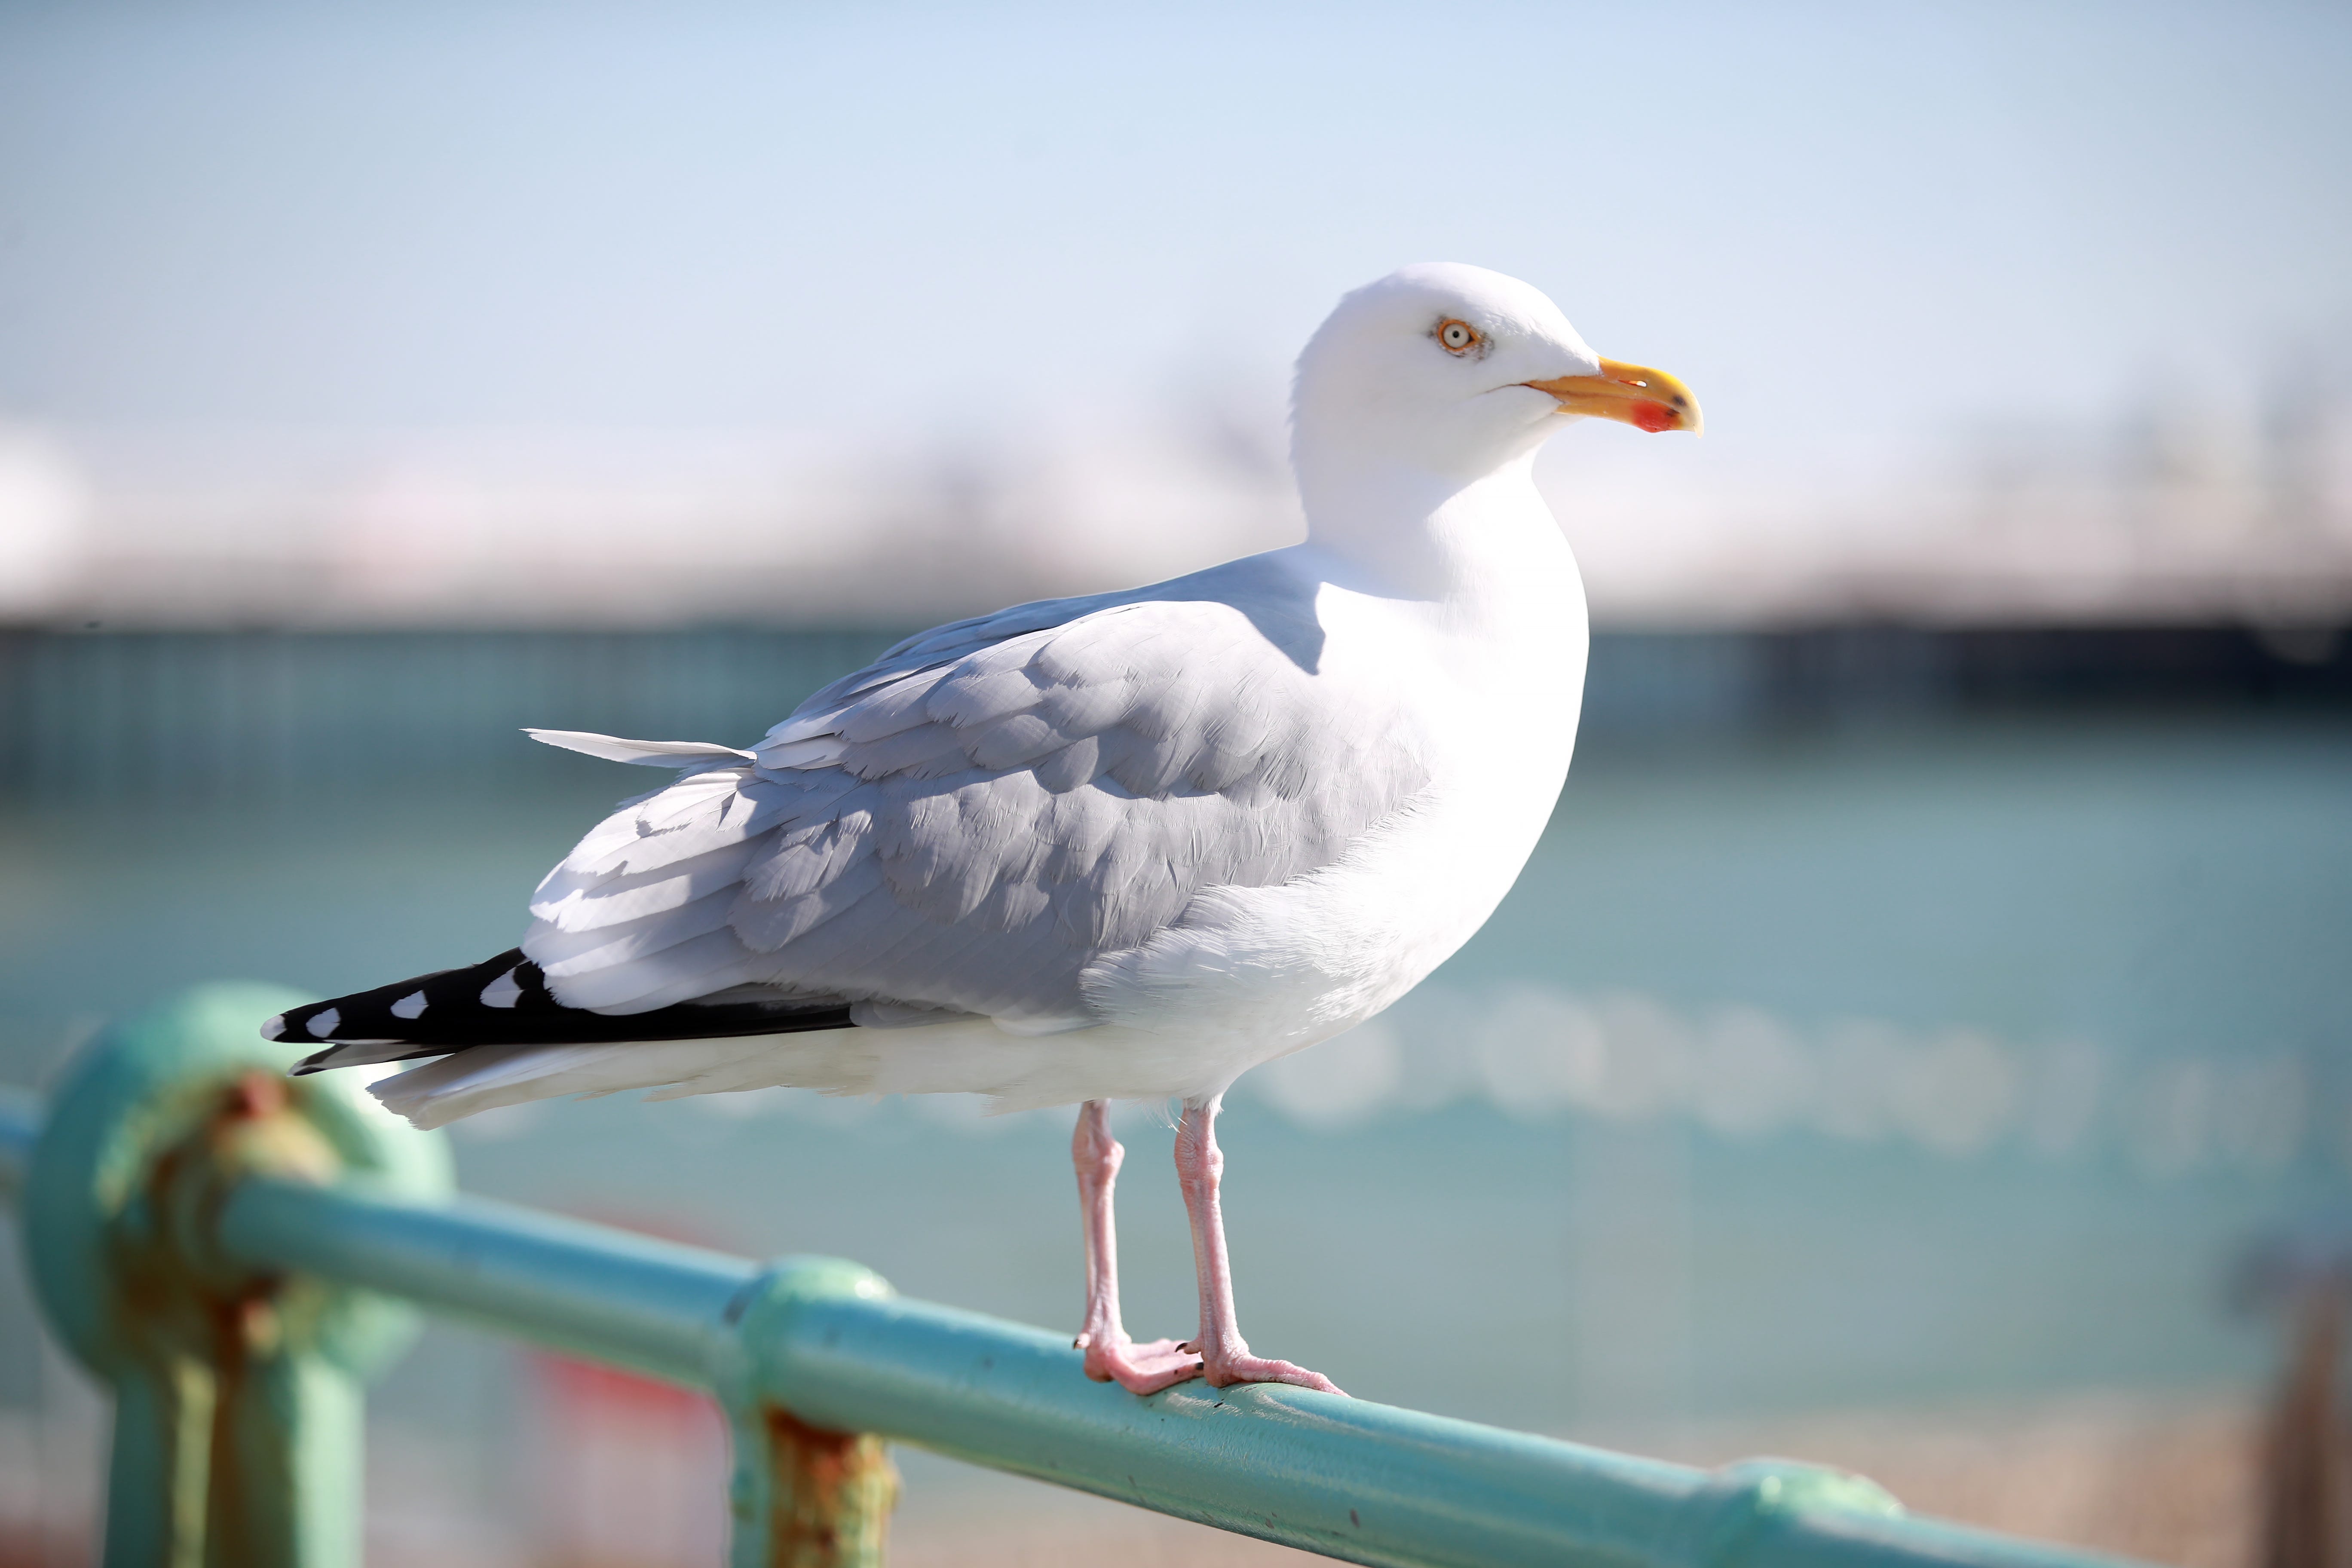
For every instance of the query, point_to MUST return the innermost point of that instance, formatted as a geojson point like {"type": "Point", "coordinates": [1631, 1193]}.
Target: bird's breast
{"type": "Point", "coordinates": [1487, 709]}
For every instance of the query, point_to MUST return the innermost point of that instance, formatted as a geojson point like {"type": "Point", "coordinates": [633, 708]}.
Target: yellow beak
{"type": "Point", "coordinates": [1644, 398]}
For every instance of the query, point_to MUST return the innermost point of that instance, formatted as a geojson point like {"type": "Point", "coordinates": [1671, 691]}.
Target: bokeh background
{"type": "Point", "coordinates": [1933, 989]}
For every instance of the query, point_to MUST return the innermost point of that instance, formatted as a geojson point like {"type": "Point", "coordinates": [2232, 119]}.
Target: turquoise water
{"type": "Point", "coordinates": [1935, 1059]}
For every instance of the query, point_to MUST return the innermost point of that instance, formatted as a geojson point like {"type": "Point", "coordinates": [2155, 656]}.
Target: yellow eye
{"type": "Point", "coordinates": [1456, 337]}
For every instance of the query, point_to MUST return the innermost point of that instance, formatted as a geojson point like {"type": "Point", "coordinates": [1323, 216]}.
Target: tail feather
{"type": "Point", "coordinates": [434, 1094]}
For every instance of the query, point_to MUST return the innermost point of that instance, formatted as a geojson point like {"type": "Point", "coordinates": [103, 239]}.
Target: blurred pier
{"type": "Point", "coordinates": [193, 716]}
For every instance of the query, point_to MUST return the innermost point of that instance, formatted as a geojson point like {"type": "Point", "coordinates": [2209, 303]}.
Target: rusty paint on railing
{"type": "Point", "coordinates": [828, 1496]}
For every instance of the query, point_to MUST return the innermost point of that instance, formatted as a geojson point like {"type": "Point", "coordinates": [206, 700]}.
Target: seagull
{"type": "Point", "coordinates": [1122, 847]}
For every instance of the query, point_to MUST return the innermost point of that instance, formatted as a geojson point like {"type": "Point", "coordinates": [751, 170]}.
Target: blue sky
{"type": "Point", "coordinates": [1852, 229]}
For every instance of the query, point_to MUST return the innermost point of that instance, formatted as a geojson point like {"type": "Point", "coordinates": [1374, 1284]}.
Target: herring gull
{"type": "Point", "coordinates": [1121, 846]}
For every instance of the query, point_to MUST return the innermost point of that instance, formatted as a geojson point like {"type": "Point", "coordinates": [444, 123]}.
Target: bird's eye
{"type": "Point", "coordinates": [1456, 337]}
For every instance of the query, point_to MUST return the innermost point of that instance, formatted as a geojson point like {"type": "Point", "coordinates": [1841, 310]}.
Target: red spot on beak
{"type": "Point", "coordinates": [1655, 417]}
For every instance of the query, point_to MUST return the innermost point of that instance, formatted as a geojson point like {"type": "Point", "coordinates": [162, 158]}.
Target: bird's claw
{"type": "Point", "coordinates": [1224, 1371]}
{"type": "Point", "coordinates": [1138, 1368]}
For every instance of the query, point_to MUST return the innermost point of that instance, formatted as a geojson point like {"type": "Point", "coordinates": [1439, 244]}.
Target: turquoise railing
{"type": "Point", "coordinates": [234, 1254]}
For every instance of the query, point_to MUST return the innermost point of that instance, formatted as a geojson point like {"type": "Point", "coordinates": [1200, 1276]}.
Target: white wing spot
{"type": "Point", "coordinates": [500, 992]}
{"type": "Point", "coordinates": [409, 1006]}
{"type": "Point", "coordinates": [326, 1022]}
{"type": "Point", "coordinates": [275, 1030]}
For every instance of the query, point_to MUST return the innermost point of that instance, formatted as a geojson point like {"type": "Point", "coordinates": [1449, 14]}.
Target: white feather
{"type": "Point", "coordinates": [648, 753]}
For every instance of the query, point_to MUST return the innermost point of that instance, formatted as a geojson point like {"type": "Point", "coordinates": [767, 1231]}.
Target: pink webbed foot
{"type": "Point", "coordinates": [1138, 1368]}
{"type": "Point", "coordinates": [1224, 1370]}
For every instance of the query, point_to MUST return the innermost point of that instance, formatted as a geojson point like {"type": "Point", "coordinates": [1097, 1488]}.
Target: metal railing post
{"type": "Point", "coordinates": [237, 1393]}
{"type": "Point", "coordinates": [801, 1495]}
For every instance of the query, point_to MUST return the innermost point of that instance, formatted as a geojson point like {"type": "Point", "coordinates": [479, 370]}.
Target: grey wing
{"type": "Point", "coordinates": [967, 824]}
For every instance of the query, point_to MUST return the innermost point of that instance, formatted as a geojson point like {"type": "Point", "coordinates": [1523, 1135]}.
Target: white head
{"type": "Point", "coordinates": [1453, 371]}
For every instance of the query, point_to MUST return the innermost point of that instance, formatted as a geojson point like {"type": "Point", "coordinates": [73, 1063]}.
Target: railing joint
{"type": "Point", "coordinates": [1741, 1507]}
{"type": "Point", "coordinates": [803, 1496]}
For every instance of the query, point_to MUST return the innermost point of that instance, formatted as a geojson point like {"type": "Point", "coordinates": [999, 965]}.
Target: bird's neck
{"type": "Point", "coordinates": [1417, 535]}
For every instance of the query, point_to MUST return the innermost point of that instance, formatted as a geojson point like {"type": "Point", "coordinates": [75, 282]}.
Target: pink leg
{"type": "Point", "coordinates": [1111, 1357]}
{"type": "Point", "coordinates": [1225, 1356]}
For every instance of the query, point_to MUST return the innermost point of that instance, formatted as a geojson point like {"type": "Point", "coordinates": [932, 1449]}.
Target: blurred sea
{"type": "Point", "coordinates": [1859, 1037]}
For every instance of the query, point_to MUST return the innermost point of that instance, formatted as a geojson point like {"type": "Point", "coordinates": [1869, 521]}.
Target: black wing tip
{"type": "Point", "coordinates": [375, 1006]}
{"type": "Point", "coordinates": [451, 1010]}
{"type": "Point", "coordinates": [293, 1026]}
